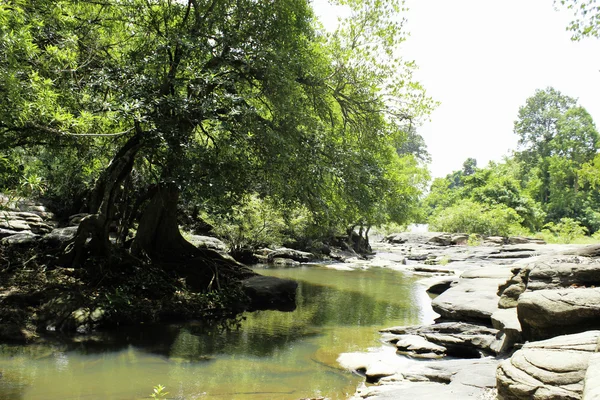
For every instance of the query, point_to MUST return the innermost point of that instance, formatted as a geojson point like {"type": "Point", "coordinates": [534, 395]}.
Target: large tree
{"type": "Point", "coordinates": [212, 99]}
{"type": "Point", "coordinates": [556, 137]}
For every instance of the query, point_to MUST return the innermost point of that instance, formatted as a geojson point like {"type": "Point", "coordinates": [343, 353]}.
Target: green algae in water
{"type": "Point", "coordinates": [274, 355]}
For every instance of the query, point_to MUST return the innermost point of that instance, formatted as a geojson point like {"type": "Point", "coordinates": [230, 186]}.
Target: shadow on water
{"type": "Point", "coordinates": [330, 304]}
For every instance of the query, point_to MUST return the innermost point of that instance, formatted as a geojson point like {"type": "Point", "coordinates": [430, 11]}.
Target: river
{"type": "Point", "coordinates": [273, 355]}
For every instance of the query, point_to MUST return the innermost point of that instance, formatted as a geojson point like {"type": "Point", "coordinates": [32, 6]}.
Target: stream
{"type": "Point", "coordinates": [273, 355]}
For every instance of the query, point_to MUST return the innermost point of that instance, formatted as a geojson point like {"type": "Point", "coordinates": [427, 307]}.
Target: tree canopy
{"type": "Point", "coordinates": [122, 106]}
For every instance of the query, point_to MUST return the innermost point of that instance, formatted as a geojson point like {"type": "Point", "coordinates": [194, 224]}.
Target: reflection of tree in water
{"type": "Point", "coordinates": [262, 334]}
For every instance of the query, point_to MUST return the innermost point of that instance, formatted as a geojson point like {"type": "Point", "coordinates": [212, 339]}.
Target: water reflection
{"type": "Point", "coordinates": [273, 355]}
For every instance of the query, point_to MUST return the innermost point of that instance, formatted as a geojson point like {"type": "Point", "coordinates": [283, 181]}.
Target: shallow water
{"type": "Point", "coordinates": [273, 355]}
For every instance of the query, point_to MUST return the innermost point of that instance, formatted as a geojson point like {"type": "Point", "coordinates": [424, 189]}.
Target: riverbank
{"type": "Point", "coordinates": [42, 293]}
{"type": "Point", "coordinates": [517, 321]}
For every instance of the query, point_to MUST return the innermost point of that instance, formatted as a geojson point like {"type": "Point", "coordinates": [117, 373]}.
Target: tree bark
{"type": "Point", "coordinates": [96, 226]}
{"type": "Point", "coordinates": [158, 237]}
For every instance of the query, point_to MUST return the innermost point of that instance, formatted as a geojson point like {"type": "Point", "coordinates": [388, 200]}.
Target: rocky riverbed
{"type": "Point", "coordinates": [518, 319]}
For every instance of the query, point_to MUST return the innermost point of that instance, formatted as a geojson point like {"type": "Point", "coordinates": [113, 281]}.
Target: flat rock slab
{"type": "Point", "coordinates": [418, 347]}
{"type": "Point", "coordinates": [549, 369]}
{"type": "Point", "coordinates": [408, 379]}
{"type": "Point", "coordinates": [591, 388]}
{"type": "Point", "coordinates": [548, 313]}
{"type": "Point", "coordinates": [469, 300]}
{"type": "Point", "coordinates": [460, 339]}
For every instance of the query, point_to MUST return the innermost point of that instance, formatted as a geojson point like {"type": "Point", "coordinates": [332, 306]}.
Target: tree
{"type": "Point", "coordinates": [556, 136]}
{"type": "Point", "coordinates": [586, 14]}
{"type": "Point", "coordinates": [209, 101]}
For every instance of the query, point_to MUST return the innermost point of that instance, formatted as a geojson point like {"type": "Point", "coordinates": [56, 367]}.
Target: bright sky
{"type": "Point", "coordinates": [481, 59]}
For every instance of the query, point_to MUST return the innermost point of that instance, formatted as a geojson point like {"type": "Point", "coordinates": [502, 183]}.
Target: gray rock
{"type": "Point", "coordinates": [441, 286]}
{"type": "Point", "coordinates": [296, 255]}
{"type": "Point", "coordinates": [433, 380]}
{"type": "Point", "coordinates": [21, 239]}
{"type": "Point", "coordinates": [207, 242]}
{"type": "Point", "coordinates": [395, 238]}
{"type": "Point", "coordinates": [283, 262]}
{"type": "Point", "coordinates": [449, 239]}
{"type": "Point", "coordinates": [549, 369]}
{"type": "Point", "coordinates": [591, 386]}
{"type": "Point", "coordinates": [547, 313]}
{"type": "Point", "coordinates": [576, 267]}
{"type": "Point", "coordinates": [418, 347]}
{"type": "Point", "coordinates": [60, 236]}
{"type": "Point", "coordinates": [507, 322]}
{"type": "Point", "coordinates": [460, 339]}
{"type": "Point", "coordinates": [469, 300]}
{"type": "Point", "coordinates": [524, 240]}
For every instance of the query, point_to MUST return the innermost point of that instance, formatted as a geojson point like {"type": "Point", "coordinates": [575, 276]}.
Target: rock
{"type": "Point", "coordinates": [75, 219]}
{"type": "Point", "coordinates": [395, 238]}
{"type": "Point", "coordinates": [497, 240]}
{"type": "Point", "coordinates": [578, 267]}
{"type": "Point", "coordinates": [524, 240]}
{"type": "Point", "coordinates": [468, 300]}
{"type": "Point", "coordinates": [449, 240]}
{"type": "Point", "coordinates": [591, 386]}
{"type": "Point", "coordinates": [60, 236]}
{"type": "Point", "coordinates": [21, 239]}
{"type": "Point", "coordinates": [460, 339]}
{"type": "Point", "coordinates": [7, 232]}
{"type": "Point", "coordinates": [418, 347]}
{"type": "Point", "coordinates": [507, 322]}
{"type": "Point", "coordinates": [270, 293]}
{"type": "Point", "coordinates": [296, 255]}
{"type": "Point", "coordinates": [441, 286]}
{"type": "Point", "coordinates": [207, 242]}
{"type": "Point", "coordinates": [429, 380]}
{"type": "Point", "coordinates": [547, 313]}
{"type": "Point", "coordinates": [510, 291]}
{"type": "Point", "coordinates": [432, 270]}
{"type": "Point", "coordinates": [283, 262]}
{"type": "Point", "coordinates": [550, 369]}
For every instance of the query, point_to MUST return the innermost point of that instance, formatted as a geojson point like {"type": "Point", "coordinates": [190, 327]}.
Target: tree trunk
{"type": "Point", "coordinates": [158, 236]}
{"type": "Point", "coordinates": [96, 226]}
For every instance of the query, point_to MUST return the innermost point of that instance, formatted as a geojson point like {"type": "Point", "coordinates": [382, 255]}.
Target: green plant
{"type": "Point", "coordinates": [474, 240]}
{"type": "Point", "coordinates": [565, 231]}
{"type": "Point", "coordinates": [32, 184]}
{"type": "Point", "coordinates": [444, 260]}
{"type": "Point", "coordinates": [472, 217]}
{"type": "Point", "coordinates": [159, 392]}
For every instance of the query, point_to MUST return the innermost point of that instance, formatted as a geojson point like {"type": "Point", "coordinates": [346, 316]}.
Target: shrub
{"type": "Point", "coordinates": [565, 231]}
{"type": "Point", "coordinates": [472, 217]}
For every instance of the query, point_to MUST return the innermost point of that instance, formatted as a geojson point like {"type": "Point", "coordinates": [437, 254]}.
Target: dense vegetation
{"type": "Point", "coordinates": [548, 184]}
{"type": "Point", "coordinates": [242, 116]}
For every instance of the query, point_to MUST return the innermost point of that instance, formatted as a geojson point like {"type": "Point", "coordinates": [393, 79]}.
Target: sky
{"type": "Point", "coordinates": [481, 59]}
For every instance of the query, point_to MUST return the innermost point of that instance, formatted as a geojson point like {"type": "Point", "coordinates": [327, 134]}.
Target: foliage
{"type": "Point", "coordinates": [586, 20]}
{"type": "Point", "coordinates": [158, 392]}
{"type": "Point", "coordinates": [470, 217]}
{"type": "Point", "coordinates": [259, 223]}
{"type": "Point", "coordinates": [229, 100]}
{"type": "Point", "coordinates": [565, 231]}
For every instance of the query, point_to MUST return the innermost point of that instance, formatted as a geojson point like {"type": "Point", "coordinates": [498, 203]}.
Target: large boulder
{"type": "Point", "coordinates": [578, 267]}
{"type": "Point", "coordinates": [207, 242]}
{"type": "Point", "coordinates": [474, 297]}
{"type": "Point", "coordinates": [296, 255]}
{"type": "Point", "coordinates": [547, 370]}
{"type": "Point", "coordinates": [547, 313]}
{"type": "Point", "coordinates": [270, 293]}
